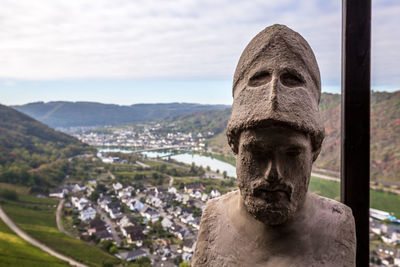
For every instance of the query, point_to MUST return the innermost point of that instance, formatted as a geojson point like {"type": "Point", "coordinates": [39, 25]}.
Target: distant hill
{"type": "Point", "coordinates": [385, 132]}
{"type": "Point", "coordinates": [32, 153]}
{"type": "Point", "coordinates": [71, 114]}
{"type": "Point", "coordinates": [201, 121]}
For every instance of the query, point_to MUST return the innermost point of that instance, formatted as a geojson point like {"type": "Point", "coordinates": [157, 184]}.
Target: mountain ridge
{"type": "Point", "coordinates": [77, 114]}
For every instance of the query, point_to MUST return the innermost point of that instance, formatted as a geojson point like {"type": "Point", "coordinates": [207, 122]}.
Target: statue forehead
{"type": "Point", "coordinates": [272, 136]}
{"type": "Point", "coordinates": [277, 47]}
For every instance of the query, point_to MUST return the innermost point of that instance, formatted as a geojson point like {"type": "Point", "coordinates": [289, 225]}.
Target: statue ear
{"type": "Point", "coordinates": [316, 153]}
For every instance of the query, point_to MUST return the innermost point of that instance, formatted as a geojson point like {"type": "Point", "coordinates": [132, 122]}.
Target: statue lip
{"type": "Point", "coordinates": [265, 192]}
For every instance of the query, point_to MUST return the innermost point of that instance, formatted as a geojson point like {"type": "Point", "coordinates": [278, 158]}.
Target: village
{"type": "Point", "coordinates": [151, 136]}
{"type": "Point", "coordinates": [152, 222]}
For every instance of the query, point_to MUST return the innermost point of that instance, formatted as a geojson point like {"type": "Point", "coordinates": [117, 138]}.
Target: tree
{"type": "Point", "coordinates": [9, 194]}
{"type": "Point", "coordinates": [94, 196]}
{"type": "Point", "coordinates": [225, 174]}
{"type": "Point", "coordinates": [107, 244]}
{"type": "Point", "coordinates": [113, 249]}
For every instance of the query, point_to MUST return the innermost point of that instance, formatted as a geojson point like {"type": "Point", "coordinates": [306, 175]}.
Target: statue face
{"type": "Point", "coordinates": [273, 167]}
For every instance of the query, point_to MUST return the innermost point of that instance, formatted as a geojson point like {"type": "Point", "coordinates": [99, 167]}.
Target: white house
{"type": "Point", "coordinates": [172, 190]}
{"type": "Point", "coordinates": [79, 203]}
{"type": "Point", "coordinates": [59, 193]}
{"type": "Point", "coordinates": [150, 214]}
{"type": "Point", "coordinates": [117, 186]}
{"type": "Point", "coordinates": [135, 205]}
{"type": "Point", "coordinates": [166, 223]}
{"type": "Point", "coordinates": [78, 188]}
{"type": "Point", "coordinates": [87, 214]}
{"type": "Point", "coordinates": [155, 201]}
{"type": "Point", "coordinates": [215, 193]}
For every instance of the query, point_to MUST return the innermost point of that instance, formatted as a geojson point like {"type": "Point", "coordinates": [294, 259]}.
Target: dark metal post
{"type": "Point", "coordinates": [355, 159]}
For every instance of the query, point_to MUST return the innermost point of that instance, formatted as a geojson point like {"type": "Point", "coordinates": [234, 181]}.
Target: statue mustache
{"type": "Point", "coordinates": [262, 186]}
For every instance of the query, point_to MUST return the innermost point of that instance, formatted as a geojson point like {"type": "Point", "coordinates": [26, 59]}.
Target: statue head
{"type": "Point", "coordinates": [275, 128]}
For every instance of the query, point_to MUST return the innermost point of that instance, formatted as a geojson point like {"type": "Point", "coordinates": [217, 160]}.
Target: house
{"type": "Point", "coordinates": [189, 245]}
{"type": "Point", "coordinates": [215, 193]}
{"type": "Point", "coordinates": [172, 190]}
{"type": "Point", "coordinates": [166, 223]}
{"type": "Point", "coordinates": [96, 225]}
{"type": "Point", "coordinates": [187, 257]}
{"type": "Point", "coordinates": [176, 229]}
{"type": "Point", "coordinates": [132, 255]}
{"type": "Point", "coordinates": [103, 235]}
{"type": "Point", "coordinates": [196, 194]}
{"type": "Point", "coordinates": [115, 213]}
{"type": "Point", "coordinates": [136, 237]}
{"type": "Point", "coordinates": [195, 223]}
{"type": "Point", "coordinates": [89, 191]}
{"type": "Point", "coordinates": [59, 193]}
{"type": "Point", "coordinates": [189, 189]}
{"type": "Point", "coordinates": [152, 192]}
{"type": "Point", "coordinates": [187, 218]}
{"type": "Point", "coordinates": [117, 186]}
{"type": "Point", "coordinates": [78, 188]}
{"type": "Point", "coordinates": [135, 205]}
{"type": "Point", "coordinates": [124, 194]}
{"type": "Point", "coordinates": [155, 201]}
{"type": "Point", "coordinates": [124, 221]}
{"type": "Point", "coordinates": [112, 206]}
{"type": "Point", "coordinates": [177, 211]}
{"type": "Point", "coordinates": [103, 201]}
{"type": "Point", "coordinates": [150, 214]}
{"type": "Point", "coordinates": [375, 227]}
{"type": "Point", "coordinates": [126, 230]}
{"type": "Point", "coordinates": [79, 203]}
{"type": "Point", "coordinates": [397, 258]}
{"type": "Point", "coordinates": [92, 182]}
{"type": "Point", "coordinates": [88, 213]}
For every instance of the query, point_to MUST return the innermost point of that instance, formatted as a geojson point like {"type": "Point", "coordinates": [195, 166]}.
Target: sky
{"type": "Point", "coordinates": [128, 51]}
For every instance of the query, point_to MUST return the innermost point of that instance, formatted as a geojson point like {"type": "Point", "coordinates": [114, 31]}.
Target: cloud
{"type": "Point", "coordinates": [58, 39]}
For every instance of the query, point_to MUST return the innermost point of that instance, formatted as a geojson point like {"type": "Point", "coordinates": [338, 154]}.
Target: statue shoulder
{"type": "Point", "coordinates": [335, 220]}
{"type": "Point", "coordinates": [210, 220]}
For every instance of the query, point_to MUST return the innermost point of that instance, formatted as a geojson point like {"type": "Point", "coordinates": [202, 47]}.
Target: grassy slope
{"type": "Point", "coordinates": [37, 217]}
{"type": "Point", "coordinates": [379, 199]}
{"type": "Point", "coordinates": [14, 251]}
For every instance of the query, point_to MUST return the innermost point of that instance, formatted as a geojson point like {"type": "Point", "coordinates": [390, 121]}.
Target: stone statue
{"type": "Point", "coordinates": [276, 133]}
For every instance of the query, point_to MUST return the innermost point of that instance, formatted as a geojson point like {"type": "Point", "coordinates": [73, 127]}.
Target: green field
{"type": "Point", "coordinates": [389, 202]}
{"type": "Point", "coordinates": [14, 251]}
{"type": "Point", "coordinates": [36, 217]}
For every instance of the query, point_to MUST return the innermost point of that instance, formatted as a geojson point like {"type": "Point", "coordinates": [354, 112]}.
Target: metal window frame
{"type": "Point", "coordinates": [355, 122]}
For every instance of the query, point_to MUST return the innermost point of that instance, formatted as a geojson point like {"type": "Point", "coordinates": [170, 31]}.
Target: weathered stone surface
{"type": "Point", "coordinates": [276, 133]}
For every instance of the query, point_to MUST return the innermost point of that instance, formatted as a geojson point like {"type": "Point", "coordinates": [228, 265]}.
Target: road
{"type": "Point", "coordinates": [325, 177]}
{"type": "Point", "coordinates": [36, 243]}
{"type": "Point", "coordinates": [112, 176]}
{"type": "Point", "coordinates": [58, 219]}
{"type": "Point", "coordinates": [108, 221]}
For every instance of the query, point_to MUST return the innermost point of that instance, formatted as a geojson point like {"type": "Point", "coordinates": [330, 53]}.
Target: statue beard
{"type": "Point", "coordinates": [270, 204]}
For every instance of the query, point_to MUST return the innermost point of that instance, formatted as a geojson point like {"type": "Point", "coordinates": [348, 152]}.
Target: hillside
{"type": "Point", "coordinates": [32, 153]}
{"type": "Point", "coordinates": [385, 133]}
{"type": "Point", "coordinates": [72, 114]}
{"type": "Point", "coordinates": [201, 121]}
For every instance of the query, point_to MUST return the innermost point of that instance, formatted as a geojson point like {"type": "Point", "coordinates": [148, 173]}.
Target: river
{"type": "Point", "coordinates": [187, 158]}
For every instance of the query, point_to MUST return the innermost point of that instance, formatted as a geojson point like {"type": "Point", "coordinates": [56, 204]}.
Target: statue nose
{"type": "Point", "coordinates": [273, 94]}
{"type": "Point", "coordinates": [271, 172]}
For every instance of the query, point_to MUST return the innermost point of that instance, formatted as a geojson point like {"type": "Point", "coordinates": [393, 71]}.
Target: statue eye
{"type": "Point", "coordinates": [291, 79]}
{"type": "Point", "coordinates": [259, 78]}
{"type": "Point", "coordinates": [293, 152]}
